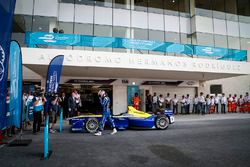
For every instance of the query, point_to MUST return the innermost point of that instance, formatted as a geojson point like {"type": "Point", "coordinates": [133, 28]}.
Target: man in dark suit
{"type": "Point", "coordinates": [72, 105]}
{"type": "Point", "coordinates": [64, 105]}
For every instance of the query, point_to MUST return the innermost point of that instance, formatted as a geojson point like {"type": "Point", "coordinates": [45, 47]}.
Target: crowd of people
{"type": "Point", "coordinates": [199, 104]}
{"type": "Point", "coordinates": [35, 106]}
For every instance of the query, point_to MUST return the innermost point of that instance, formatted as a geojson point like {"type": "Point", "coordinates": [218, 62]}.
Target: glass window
{"type": "Point", "coordinates": [220, 41]}
{"type": "Point", "coordinates": [85, 2]}
{"type": "Point", "coordinates": [203, 8]}
{"type": "Point", "coordinates": [44, 24]}
{"type": "Point", "coordinates": [186, 38]}
{"type": "Point", "coordinates": [121, 32]}
{"type": "Point", "coordinates": [140, 34]}
{"type": "Point", "coordinates": [155, 6]}
{"type": "Point", "coordinates": [101, 30]}
{"type": "Point", "coordinates": [231, 6]}
{"type": "Point", "coordinates": [218, 5]}
{"type": "Point", "coordinates": [203, 4]}
{"type": "Point", "coordinates": [156, 35]}
{"type": "Point", "coordinates": [219, 9]}
{"type": "Point", "coordinates": [205, 39]}
{"type": "Point", "coordinates": [66, 27]}
{"type": "Point", "coordinates": [171, 7]}
{"type": "Point", "coordinates": [245, 45]}
{"type": "Point", "coordinates": [244, 7]}
{"type": "Point", "coordinates": [83, 29]}
{"type": "Point", "coordinates": [20, 37]}
{"type": "Point", "coordinates": [140, 5]}
{"type": "Point", "coordinates": [106, 3]}
{"type": "Point", "coordinates": [172, 37]}
{"type": "Point", "coordinates": [22, 23]}
{"type": "Point", "coordinates": [233, 43]}
{"type": "Point", "coordinates": [67, 1]}
{"type": "Point", "coordinates": [184, 8]}
{"type": "Point", "coordinates": [124, 4]}
{"type": "Point", "coordinates": [215, 89]}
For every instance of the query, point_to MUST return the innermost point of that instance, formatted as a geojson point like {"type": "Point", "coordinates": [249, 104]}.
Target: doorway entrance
{"type": "Point", "coordinates": [89, 96]}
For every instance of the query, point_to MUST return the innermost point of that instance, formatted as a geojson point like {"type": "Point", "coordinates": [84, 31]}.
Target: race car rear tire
{"type": "Point", "coordinates": [92, 125]}
{"type": "Point", "coordinates": [161, 122]}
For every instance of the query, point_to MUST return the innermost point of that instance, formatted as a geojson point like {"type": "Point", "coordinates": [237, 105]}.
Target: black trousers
{"type": "Point", "coordinates": [37, 121]}
{"type": "Point", "coordinates": [217, 108]}
{"type": "Point", "coordinates": [175, 109]}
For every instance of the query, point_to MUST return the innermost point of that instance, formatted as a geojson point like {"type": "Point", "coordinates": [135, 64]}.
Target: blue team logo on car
{"type": "Point", "coordinates": [2, 59]}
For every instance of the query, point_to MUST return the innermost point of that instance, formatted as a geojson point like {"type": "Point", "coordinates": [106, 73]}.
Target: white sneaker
{"type": "Point", "coordinates": [98, 133]}
{"type": "Point", "coordinates": [114, 131]}
{"type": "Point", "coordinates": [51, 131]}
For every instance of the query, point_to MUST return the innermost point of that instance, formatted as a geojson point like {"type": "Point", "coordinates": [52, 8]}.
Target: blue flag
{"type": "Point", "coordinates": [15, 107]}
{"type": "Point", "coordinates": [6, 15]}
{"type": "Point", "coordinates": [54, 74]}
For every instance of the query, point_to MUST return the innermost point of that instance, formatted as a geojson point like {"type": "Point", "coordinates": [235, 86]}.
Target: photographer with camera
{"type": "Point", "coordinates": [39, 101]}
{"type": "Point", "coordinates": [54, 108]}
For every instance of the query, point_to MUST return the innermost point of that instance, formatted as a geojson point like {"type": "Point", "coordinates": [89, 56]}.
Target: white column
{"type": "Point", "coordinates": [119, 99]}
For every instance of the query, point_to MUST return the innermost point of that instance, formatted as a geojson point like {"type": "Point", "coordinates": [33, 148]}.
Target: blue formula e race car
{"type": "Point", "coordinates": [132, 119]}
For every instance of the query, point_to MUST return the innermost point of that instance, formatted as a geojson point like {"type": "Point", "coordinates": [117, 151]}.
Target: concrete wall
{"type": "Point", "coordinates": [238, 85]}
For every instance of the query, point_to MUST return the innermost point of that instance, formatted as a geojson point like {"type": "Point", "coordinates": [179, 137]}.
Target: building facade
{"type": "Point", "coordinates": [176, 46]}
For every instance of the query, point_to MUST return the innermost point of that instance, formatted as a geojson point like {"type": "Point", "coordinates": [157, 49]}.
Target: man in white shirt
{"type": "Point", "coordinates": [168, 101]}
{"type": "Point", "coordinates": [216, 103]}
{"type": "Point", "coordinates": [247, 102]}
{"type": "Point", "coordinates": [175, 104]}
{"type": "Point", "coordinates": [195, 104]}
{"type": "Point", "coordinates": [223, 104]}
{"type": "Point", "coordinates": [201, 104]}
{"type": "Point", "coordinates": [187, 107]}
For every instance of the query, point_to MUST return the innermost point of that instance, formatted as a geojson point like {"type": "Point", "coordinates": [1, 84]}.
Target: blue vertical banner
{"type": "Point", "coordinates": [16, 76]}
{"type": "Point", "coordinates": [7, 8]}
{"type": "Point", "coordinates": [52, 83]}
{"type": "Point", "coordinates": [54, 73]}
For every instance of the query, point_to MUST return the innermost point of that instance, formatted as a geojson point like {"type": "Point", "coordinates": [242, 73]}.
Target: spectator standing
{"type": "Point", "coordinates": [168, 101]}
{"type": "Point", "coordinates": [78, 101]}
{"type": "Point", "coordinates": [234, 103]}
{"type": "Point", "coordinates": [247, 102]}
{"type": "Point", "coordinates": [208, 103]}
{"type": "Point", "coordinates": [201, 104]}
{"type": "Point", "coordinates": [175, 104]}
{"type": "Point", "coordinates": [53, 112]}
{"type": "Point", "coordinates": [212, 107]}
{"type": "Point", "coordinates": [154, 102]}
{"type": "Point", "coordinates": [39, 101]}
{"type": "Point", "coordinates": [241, 104]}
{"type": "Point", "coordinates": [223, 104]}
{"type": "Point", "coordinates": [216, 103]}
{"type": "Point", "coordinates": [149, 103]}
{"type": "Point", "coordinates": [183, 104]}
{"type": "Point", "coordinates": [229, 103]}
{"type": "Point", "coordinates": [187, 106]}
{"type": "Point", "coordinates": [195, 104]}
{"type": "Point", "coordinates": [64, 104]}
{"type": "Point", "coordinates": [72, 105]}
{"type": "Point", "coordinates": [136, 101]}
{"type": "Point", "coordinates": [161, 102]}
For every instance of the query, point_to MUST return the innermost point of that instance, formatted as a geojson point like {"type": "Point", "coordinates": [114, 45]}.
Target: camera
{"type": "Point", "coordinates": [38, 92]}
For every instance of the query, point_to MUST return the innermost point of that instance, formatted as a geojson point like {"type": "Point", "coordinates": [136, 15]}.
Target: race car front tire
{"type": "Point", "coordinates": [92, 125]}
{"type": "Point", "coordinates": [161, 122]}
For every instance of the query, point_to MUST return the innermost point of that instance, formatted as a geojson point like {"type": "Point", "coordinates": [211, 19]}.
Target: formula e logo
{"type": "Point", "coordinates": [2, 58]}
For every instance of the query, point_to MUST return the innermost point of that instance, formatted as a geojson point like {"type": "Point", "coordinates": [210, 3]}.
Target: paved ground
{"type": "Point", "coordinates": [214, 140]}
